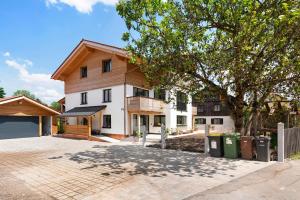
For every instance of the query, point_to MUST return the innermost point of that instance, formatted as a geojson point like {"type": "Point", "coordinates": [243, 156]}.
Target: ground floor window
{"type": "Point", "coordinates": [159, 120]}
{"type": "Point", "coordinates": [181, 120]}
{"type": "Point", "coordinates": [106, 121]}
{"type": "Point", "coordinates": [217, 121]}
{"type": "Point", "coordinates": [200, 121]}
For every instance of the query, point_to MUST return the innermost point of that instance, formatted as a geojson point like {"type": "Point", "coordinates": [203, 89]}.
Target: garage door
{"type": "Point", "coordinates": [18, 127]}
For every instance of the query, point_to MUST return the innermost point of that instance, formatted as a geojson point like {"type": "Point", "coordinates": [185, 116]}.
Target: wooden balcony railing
{"type": "Point", "coordinates": [145, 104]}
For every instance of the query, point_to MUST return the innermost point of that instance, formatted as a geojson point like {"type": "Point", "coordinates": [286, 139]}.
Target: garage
{"type": "Point", "coordinates": [21, 117]}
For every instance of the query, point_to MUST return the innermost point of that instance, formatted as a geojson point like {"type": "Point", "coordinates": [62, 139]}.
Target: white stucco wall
{"type": "Point", "coordinates": [227, 126]}
{"type": "Point", "coordinates": [95, 98]}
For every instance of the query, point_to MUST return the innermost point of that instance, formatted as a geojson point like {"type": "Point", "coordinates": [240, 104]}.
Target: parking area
{"type": "Point", "coordinates": [58, 168]}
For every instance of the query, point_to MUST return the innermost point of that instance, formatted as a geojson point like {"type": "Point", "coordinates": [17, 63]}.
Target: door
{"type": "Point", "coordinates": [18, 127]}
{"type": "Point", "coordinates": [145, 122]}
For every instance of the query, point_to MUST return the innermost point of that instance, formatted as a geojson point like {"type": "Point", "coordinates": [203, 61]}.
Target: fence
{"type": "Point", "coordinates": [291, 141]}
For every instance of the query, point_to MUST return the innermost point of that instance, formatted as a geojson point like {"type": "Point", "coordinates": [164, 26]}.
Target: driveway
{"type": "Point", "coordinates": [57, 168]}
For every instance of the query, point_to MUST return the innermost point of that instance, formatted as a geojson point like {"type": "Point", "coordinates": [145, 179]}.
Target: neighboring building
{"type": "Point", "coordinates": [109, 95]}
{"type": "Point", "coordinates": [21, 117]}
{"type": "Point", "coordinates": [215, 112]}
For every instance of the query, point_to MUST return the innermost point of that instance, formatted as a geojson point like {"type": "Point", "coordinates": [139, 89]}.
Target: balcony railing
{"type": "Point", "coordinates": [145, 104]}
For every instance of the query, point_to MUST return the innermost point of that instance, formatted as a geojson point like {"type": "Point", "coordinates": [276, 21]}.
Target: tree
{"type": "Point", "coordinates": [2, 92]}
{"type": "Point", "coordinates": [25, 93]}
{"type": "Point", "coordinates": [55, 105]}
{"type": "Point", "coordinates": [244, 48]}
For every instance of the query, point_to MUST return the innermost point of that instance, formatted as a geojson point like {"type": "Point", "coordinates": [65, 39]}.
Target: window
{"type": "Point", "coordinates": [181, 120]}
{"type": "Point", "coordinates": [200, 108]}
{"type": "Point", "coordinates": [181, 101]}
{"type": "Point", "coordinates": [83, 72]}
{"type": "Point", "coordinates": [217, 108]}
{"type": "Point", "coordinates": [106, 66]}
{"type": "Point", "coordinates": [160, 94]}
{"type": "Point", "coordinates": [83, 98]}
{"type": "Point", "coordinates": [107, 95]}
{"type": "Point", "coordinates": [200, 121]}
{"type": "Point", "coordinates": [84, 121]}
{"type": "Point", "coordinates": [217, 121]}
{"type": "Point", "coordinates": [106, 121]}
{"type": "Point", "coordinates": [139, 92]}
{"type": "Point", "coordinates": [159, 120]}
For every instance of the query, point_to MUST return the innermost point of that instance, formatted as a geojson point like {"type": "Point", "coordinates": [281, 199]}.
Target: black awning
{"type": "Point", "coordinates": [82, 111]}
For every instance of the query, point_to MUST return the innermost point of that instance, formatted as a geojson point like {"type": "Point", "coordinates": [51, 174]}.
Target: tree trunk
{"type": "Point", "coordinates": [238, 114]}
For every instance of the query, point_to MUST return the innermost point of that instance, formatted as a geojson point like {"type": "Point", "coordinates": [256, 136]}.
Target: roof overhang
{"type": "Point", "coordinates": [18, 98]}
{"type": "Point", "coordinates": [82, 50]}
{"type": "Point", "coordinates": [83, 111]}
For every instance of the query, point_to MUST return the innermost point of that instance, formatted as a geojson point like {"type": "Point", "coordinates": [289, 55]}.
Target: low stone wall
{"type": "Point", "coordinates": [192, 143]}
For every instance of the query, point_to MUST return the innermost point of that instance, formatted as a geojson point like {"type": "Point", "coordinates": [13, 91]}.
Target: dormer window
{"type": "Point", "coordinates": [217, 108]}
{"type": "Point", "coordinates": [83, 72]}
{"type": "Point", "coordinates": [106, 66]}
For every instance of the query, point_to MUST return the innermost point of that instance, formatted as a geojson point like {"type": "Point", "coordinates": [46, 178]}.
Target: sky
{"type": "Point", "coordinates": [37, 35]}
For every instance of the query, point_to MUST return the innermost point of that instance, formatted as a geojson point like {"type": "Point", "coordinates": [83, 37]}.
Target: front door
{"type": "Point", "coordinates": [145, 122]}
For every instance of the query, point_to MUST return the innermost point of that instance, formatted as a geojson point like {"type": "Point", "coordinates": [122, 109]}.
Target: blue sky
{"type": "Point", "coordinates": [37, 35]}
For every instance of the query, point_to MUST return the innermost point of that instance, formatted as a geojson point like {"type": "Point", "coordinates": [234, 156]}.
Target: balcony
{"type": "Point", "coordinates": [145, 104]}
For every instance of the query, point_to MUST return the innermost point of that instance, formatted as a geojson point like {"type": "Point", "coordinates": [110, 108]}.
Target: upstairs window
{"type": "Point", "coordinates": [107, 95]}
{"type": "Point", "coordinates": [159, 120]}
{"type": "Point", "coordinates": [200, 121]}
{"type": "Point", "coordinates": [83, 98]}
{"type": "Point", "coordinates": [139, 92]}
{"type": "Point", "coordinates": [217, 121]}
{"type": "Point", "coordinates": [106, 66]}
{"type": "Point", "coordinates": [181, 101]}
{"type": "Point", "coordinates": [217, 108]}
{"type": "Point", "coordinates": [83, 72]}
{"type": "Point", "coordinates": [106, 121]}
{"type": "Point", "coordinates": [160, 94]}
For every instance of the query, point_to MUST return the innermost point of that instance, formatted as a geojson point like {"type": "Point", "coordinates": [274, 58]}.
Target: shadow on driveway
{"type": "Point", "coordinates": [154, 162]}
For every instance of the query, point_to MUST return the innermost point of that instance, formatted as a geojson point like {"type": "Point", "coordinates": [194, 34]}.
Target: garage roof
{"type": "Point", "coordinates": [83, 111]}
{"type": "Point", "coordinates": [7, 100]}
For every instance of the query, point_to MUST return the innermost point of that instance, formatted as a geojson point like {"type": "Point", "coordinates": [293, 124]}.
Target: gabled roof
{"type": "Point", "coordinates": [6, 100]}
{"type": "Point", "coordinates": [89, 45]}
{"type": "Point", "coordinates": [83, 111]}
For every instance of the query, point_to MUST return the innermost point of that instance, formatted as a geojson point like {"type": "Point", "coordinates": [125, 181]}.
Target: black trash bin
{"type": "Point", "coordinates": [263, 148]}
{"type": "Point", "coordinates": [216, 146]}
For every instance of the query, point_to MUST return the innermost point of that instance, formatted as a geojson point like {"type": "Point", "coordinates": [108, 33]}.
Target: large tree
{"type": "Point", "coordinates": [25, 93]}
{"type": "Point", "coordinates": [244, 48]}
{"type": "Point", "coordinates": [2, 92]}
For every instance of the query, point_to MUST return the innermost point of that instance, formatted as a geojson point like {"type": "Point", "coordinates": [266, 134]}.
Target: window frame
{"type": "Point", "coordinates": [104, 125]}
{"type": "Point", "coordinates": [183, 117]}
{"type": "Point", "coordinates": [82, 74]}
{"type": "Point", "coordinates": [104, 69]}
{"type": "Point", "coordinates": [139, 91]}
{"type": "Point", "coordinates": [104, 100]}
{"type": "Point", "coordinates": [160, 120]}
{"type": "Point", "coordinates": [217, 106]}
{"type": "Point", "coordinates": [83, 98]}
{"type": "Point", "coordinates": [204, 121]}
{"type": "Point", "coordinates": [212, 121]}
{"type": "Point", "coordinates": [160, 94]}
{"type": "Point", "coordinates": [181, 104]}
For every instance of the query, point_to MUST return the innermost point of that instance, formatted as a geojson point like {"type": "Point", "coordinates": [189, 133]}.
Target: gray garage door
{"type": "Point", "coordinates": [18, 127]}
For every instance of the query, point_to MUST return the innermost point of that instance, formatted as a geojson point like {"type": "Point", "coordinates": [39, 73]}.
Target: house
{"type": "Point", "coordinates": [214, 111]}
{"type": "Point", "coordinates": [21, 117]}
{"type": "Point", "coordinates": [105, 93]}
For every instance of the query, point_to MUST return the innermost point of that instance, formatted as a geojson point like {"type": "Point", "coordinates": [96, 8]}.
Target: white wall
{"type": "Point", "coordinates": [114, 108]}
{"type": "Point", "coordinates": [227, 126]}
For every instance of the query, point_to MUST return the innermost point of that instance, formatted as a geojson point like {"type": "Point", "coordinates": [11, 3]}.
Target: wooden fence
{"type": "Point", "coordinates": [77, 129]}
{"type": "Point", "coordinates": [291, 141]}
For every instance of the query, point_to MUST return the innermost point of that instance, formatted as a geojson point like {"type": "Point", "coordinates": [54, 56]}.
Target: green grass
{"type": "Point", "coordinates": [295, 156]}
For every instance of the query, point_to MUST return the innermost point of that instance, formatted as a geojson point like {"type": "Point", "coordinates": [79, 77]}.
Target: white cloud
{"type": "Point", "coordinates": [83, 6]}
{"type": "Point", "coordinates": [6, 54]}
{"type": "Point", "coordinates": [40, 84]}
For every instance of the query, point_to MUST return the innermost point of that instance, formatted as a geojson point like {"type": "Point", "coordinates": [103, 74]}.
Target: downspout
{"type": "Point", "coordinates": [125, 105]}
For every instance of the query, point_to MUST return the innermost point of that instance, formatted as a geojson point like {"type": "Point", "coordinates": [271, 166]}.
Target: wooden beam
{"type": "Point", "coordinates": [90, 126]}
{"type": "Point", "coordinates": [40, 125]}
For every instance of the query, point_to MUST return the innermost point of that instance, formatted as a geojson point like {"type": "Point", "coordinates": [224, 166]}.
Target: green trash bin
{"type": "Point", "coordinates": [231, 145]}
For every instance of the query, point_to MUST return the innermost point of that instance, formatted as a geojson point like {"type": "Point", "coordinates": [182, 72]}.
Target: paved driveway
{"type": "Point", "coordinates": [60, 168]}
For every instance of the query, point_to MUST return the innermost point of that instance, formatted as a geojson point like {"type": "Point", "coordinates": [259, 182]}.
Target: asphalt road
{"type": "Point", "coordinates": [278, 181]}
